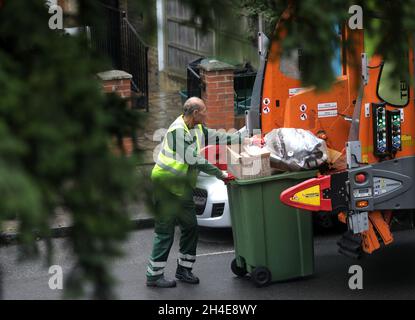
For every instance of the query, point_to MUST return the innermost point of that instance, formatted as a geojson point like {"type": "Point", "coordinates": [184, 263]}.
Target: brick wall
{"type": "Point", "coordinates": [122, 87]}
{"type": "Point", "coordinates": [218, 94]}
{"type": "Point", "coordinates": [119, 82]}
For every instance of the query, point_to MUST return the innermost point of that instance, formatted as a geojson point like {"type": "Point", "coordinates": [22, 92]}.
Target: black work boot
{"type": "Point", "coordinates": [186, 275]}
{"type": "Point", "coordinates": [161, 282]}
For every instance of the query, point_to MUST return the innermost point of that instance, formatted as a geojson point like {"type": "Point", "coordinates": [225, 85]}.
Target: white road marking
{"type": "Point", "coordinates": [214, 253]}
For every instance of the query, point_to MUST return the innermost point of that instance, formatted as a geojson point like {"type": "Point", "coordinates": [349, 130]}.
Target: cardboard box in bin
{"type": "Point", "coordinates": [248, 164]}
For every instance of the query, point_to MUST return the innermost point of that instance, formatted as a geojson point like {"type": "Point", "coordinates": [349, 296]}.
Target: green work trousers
{"type": "Point", "coordinates": [171, 210]}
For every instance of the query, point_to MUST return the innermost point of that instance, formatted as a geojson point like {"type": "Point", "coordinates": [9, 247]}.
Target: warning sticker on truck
{"type": "Point", "coordinates": [328, 109]}
{"type": "Point", "coordinates": [294, 91]}
{"type": "Point", "coordinates": [327, 113]}
{"type": "Point", "coordinates": [407, 141]}
{"type": "Point", "coordinates": [383, 185]}
{"type": "Point", "coordinates": [327, 106]}
{"type": "Point", "coordinates": [310, 196]}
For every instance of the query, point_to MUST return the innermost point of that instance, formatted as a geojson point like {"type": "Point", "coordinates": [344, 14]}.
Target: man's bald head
{"type": "Point", "coordinates": [194, 111]}
{"type": "Point", "coordinates": [192, 104]}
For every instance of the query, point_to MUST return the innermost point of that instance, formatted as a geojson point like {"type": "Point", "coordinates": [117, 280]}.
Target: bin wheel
{"type": "Point", "coordinates": [261, 276]}
{"type": "Point", "coordinates": [238, 271]}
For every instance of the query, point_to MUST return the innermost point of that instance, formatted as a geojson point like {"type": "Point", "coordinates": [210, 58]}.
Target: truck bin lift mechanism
{"type": "Point", "coordinates": [381, 187]}
{"type": "Point", "coordinates": [372, 131]}
{"type": "Point", "coordinates": [386, 185]}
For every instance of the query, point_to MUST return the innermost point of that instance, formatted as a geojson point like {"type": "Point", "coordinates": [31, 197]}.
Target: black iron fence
{"type": "Point", "coordinates": [117, 39]}
{"type": "Point", "coordinates": [135, 61]}
{"type": "Point", "coordinates": [194, 84]}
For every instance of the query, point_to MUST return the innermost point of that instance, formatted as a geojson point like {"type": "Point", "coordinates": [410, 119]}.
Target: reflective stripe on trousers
{"type": "Point", "coordinates": [155, 268]}
{"type": "Point", "coordinates": [186, 260]}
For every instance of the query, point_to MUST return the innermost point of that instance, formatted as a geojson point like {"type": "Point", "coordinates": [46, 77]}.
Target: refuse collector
{"type": "Point", "coordinates": [174, 178]}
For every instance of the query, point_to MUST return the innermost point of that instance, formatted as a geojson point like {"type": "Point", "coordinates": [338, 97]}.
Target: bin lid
{"type": "Point", "coordinates": [300, 175]}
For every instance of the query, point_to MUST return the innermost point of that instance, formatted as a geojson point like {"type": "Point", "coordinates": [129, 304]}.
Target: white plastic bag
{"type": "Point", "coordinates": [295, 149]}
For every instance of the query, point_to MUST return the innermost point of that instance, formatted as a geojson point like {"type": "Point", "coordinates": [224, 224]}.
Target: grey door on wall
{"type": "Point", "coordinates": [184, 42]}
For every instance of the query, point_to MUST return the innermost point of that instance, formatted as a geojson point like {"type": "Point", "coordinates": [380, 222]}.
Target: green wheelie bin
{"type": "Point", "coordinates": [273, 242]}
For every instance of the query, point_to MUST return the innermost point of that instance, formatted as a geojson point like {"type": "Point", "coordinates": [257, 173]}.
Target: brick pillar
{"type": "Point", "coordinates": [218, 93]}
{"type": "Point", "coordinates": [116, 81]}
{"type": "Point", "coordinates": [119, 82]}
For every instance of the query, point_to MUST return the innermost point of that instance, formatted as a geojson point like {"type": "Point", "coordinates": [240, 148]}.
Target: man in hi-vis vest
{"type": "Point", "coordinates": [174, 178]}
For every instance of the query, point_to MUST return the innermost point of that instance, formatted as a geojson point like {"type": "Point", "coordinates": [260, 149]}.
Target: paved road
{"type": "Point", "coordinates": [390, 274]}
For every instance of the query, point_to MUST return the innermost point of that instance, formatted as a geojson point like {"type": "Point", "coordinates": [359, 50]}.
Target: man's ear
{"type": "Point", "coordinates": [195, 113]}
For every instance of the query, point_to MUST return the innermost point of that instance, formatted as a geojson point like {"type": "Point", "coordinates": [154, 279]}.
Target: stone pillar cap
{"type": "Point", "coordinates": [114, 75]}
{"type": "Point", "coordinates": [210, 64]}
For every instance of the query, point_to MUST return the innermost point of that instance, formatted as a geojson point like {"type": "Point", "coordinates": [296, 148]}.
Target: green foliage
{"type": "Point", "coordinates": [393, 32]}
{"type": "Point", "coordinates": [311, 28]}
{"type": "Point", "coordinates": [270, 11]}
{"type": "Point", "coordinates": [142, 14]}
{"type": "Point", "coordinates": [56, 134]}
{"type": "Point", "coordinates": [206, 13]}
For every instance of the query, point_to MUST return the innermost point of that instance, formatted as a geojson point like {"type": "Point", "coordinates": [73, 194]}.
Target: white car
{"type": "Point", "coordinates": [211, 200]}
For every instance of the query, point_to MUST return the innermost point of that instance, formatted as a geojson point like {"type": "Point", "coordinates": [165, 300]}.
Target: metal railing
{"type": "Point", "coordinates": [194, 83]}
{"type": "Point", "coordinates": [117, 39]}
{"type": "Point", "coordinates": [135, 61]}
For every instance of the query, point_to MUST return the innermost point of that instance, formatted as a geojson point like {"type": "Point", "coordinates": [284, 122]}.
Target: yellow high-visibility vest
{"type": "Point", "coordinates": [170, 167]}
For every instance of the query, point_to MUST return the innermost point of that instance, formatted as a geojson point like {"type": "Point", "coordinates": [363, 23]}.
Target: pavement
{"type": "Point", "coordinates": [61, 225]}
{"type": "Point", "coordinates": [387, 275]}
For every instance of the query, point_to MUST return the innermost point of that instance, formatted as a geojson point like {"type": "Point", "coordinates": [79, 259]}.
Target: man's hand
{"type": "Point", "coordinates": [227, 177]}
{"type": "Point", "coordinates": [258, 141]}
